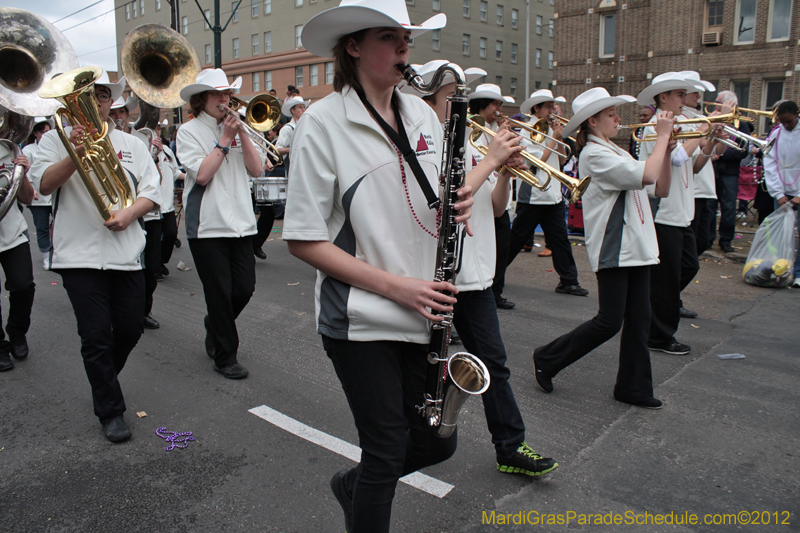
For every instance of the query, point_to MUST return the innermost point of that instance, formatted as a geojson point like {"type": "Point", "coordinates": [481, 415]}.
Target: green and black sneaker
{"type": "Point", "coordinates": [526, 461]}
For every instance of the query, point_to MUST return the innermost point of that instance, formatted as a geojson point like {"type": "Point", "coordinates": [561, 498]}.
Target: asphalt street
{"type": "Point", "coordinates": [727, 440]}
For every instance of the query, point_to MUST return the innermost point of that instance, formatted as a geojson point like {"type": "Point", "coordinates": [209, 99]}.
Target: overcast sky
{"type": "Point", "coordinates": [95, 41]}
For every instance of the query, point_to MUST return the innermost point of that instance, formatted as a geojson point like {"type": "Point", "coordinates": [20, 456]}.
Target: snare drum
{"type": "Point", "coordinates": [267, 191]}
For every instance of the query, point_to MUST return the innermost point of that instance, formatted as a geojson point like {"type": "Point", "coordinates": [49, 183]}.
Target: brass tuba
{"type": "Point", "coordinates": [99, 162]}
{"type": "Point", "coordinates": [14, 129]}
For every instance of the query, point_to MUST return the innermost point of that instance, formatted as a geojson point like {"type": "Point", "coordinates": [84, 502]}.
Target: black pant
{"type": "Point", "coordinates": [266, 217]}
{"type": "Point", "coordinates": [227, 269]}
{"type": "Point", "coordinates": [384, 381]}
{"type": "Point", "coordinates": [476, 321]}
{"type": "Point", "coordinates": [624, 303]}
{"type": "Point", "coordinates": [18, 271]}
{"type": "Point", "coordinates": [703, 224]}
{"type": "Point", "coordinates": [169, 234]}
{"type": "Point", "coordinates": [152, 261]}
{"type": "Point", "coordinates": [108, 307]}
{"type": "Point", "coordinates": [727, 190]}
{"type": "Point", "coordinates": [677, 252]}
{"type": "Point", "coordinates": [502, 236]}
{"type": "Point", "coordinates": [554, 225]}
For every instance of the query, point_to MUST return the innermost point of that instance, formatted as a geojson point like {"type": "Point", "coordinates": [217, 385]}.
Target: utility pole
{"type": "Point", "coordinates": [217, 29]}
{"type": "Point", "coordinates": [174, 22]}
{"type": "Point", "coordinates": [527, 48]}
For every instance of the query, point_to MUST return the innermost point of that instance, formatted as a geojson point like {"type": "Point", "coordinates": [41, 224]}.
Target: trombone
{"type": "Point", "coordinates": [686, 135]}
{"type": "Point", "coordinates": [764, 146]}
{"type": "Point", "coordinates": [576, 187]}
{"type": "Point", "coordinates": [262, 112]}
{"type": "Point", "coordinates": [538, 132]}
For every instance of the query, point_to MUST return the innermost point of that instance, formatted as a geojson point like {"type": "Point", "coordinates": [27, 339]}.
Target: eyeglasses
{"type": "Point", "coordinates": [102, 97]}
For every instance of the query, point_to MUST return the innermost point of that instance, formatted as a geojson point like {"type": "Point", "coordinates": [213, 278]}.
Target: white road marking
{"type": "Point", "coordinates": [420, 481]}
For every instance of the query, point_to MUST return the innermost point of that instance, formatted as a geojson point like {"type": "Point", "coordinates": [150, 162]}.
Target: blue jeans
{"type": "Point", "coordinates": [727, 189]}
{"type": "Point", "coordinates": [41, 220]}
{"type": "Point", "coordinates": [476, 321]}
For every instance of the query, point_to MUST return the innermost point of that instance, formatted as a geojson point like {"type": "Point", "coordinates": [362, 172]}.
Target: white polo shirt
{"type": "Point", "coordinates": [705, 185]}
{"type": "Point", "coordinates": [285, 136]}
{"type": "Point", "coordinates": [526, 194]}
{"type": "Point", "coordinates": [782, 163]}
{"type": "Point", "coordinates": [222, 207]}
{"type": "Point", "coordinates": [170, 171]}
{"type": "Point", "coordinates": [79, 238]}
{"type": "Point", "coordinates": [485, 140]}
{"type": "Point", "coordinates": [677, 209]}
{"type": "Point", "coordinates": [30, 152]}
{"type": "Point", "coordinates": [13, 228]}
{"type": "Point", "coordinates": [616, 210]}
{"type": "Point", "coordinates": [346, 187]}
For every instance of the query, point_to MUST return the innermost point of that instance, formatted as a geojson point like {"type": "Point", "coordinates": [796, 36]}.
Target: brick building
{"type": "Point", "coordinates": [747, 46]}
{"type": "Point", "coordinates": [262, 42]}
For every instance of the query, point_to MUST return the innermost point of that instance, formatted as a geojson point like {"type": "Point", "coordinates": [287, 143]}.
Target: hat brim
{"type": "Point", "coordinates": [527, 106]}
{"type": "Point", "coordinates": [648, 95]}
{"type": "Point", "coordinates": [116, 88]}
{"type": "Point", "coordinates": [196, 88]}
{"type": "Point", "coordinates": [286, 108]}
{"type": "Point", "coordinates": [485, 94]}
{"type": "Point", "coordinates": [43, 120]}
{"type": "Point", "coordinates": [323, 31]}
{"type": "Point", "coordinates": [592, 109]}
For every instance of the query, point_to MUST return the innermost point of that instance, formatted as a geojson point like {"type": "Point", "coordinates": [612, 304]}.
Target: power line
{"type": "Point", "coordinates": [88, 20]}
{"type": "Point", "coordinates": [78, 11]}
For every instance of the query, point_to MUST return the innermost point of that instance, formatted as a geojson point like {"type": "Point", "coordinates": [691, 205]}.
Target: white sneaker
{"type": "Point", "coordinates": [45, 262]}
{"type": "Point", "coordinates": [796, 283]}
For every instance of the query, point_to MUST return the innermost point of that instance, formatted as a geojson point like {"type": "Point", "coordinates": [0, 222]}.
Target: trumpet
{"type": "Point", "coordinates": [771, 115]}
{"type": "Point", "coordinates": [262, 112]}
{"type": "Point", "coordinates": [576, 187]}
{"type": "Point", "coordinates": [538, 132]}
{"type": "Point", "coordinates": [685, 135]}
{"type": "Point", "coordinates": [764, 146]}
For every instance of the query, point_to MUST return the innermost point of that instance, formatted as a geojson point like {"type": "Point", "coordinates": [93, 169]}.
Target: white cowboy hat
{"type": "Point", "coordinates": [589, 103]}
{"type": "Point", "coordinates": [115, 88]}
{"type": "Point", "coordinates": [323, 31]}
{"type": "Point", "coordinates": [486, 90]}
{"type": "Point", "coordinates": [210, 79]}
{"type": "Point", "coordinates": [539, 97]}
{"type": "Point", "coordinates": [39, 120]}
{"type": "Point", "coordinates": [287, 106]}
{"type": "Point", "coordinates": [693, 77]}
{"type": "Point", "coordinates": [509, 99]}
{"type": "Point", "coordinates": [669, 81]}
{"type": "Point", "coordinates": [427, 70]}
{"type": "Point", "coordinates": [130, 104]}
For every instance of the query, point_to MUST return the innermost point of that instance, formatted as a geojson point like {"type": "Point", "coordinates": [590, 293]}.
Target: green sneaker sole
{"type": "Point", "coordinates": [516, 470]}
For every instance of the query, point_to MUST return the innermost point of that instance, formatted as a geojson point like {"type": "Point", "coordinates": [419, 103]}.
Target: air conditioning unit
{"type": "Point", "coordinates": [711, 38]}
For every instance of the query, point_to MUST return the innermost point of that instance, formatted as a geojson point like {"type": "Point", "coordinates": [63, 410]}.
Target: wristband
{"type": "Point", "coordinates": [224, 149]}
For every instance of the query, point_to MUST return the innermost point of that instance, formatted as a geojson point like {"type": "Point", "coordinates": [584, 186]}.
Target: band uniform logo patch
{"type": "Point", "coordinates": [425, 144]}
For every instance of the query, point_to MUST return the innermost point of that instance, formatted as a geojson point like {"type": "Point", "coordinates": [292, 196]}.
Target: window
{"type": "Point", "coordinates": [780, 17]}
{"type": "Point", "coordinates": [608, 25]}
{"type": "Point", "coordinates": [538, 85]}
{"type": "Point", "coordinates": [498, 51]}
{"type": "Point", "coordinates": [185, 25]}
{"type": "Point", "coordinates": [141, 7]}
{"type": "Point", "coordinates": [208, 54]}
{"type": "Point", "coordinates": [515, 18]}
{"type": "Point", "coordinates": [482, 48]}
{"type": "Point", "coordinates": [499, 15]}
{"type": "Point", "coordinates": [436, 5]}
{"type": "Point", "coordinates": [267, 42]}
{"type": "Point", "coordinates": [742, 91]}
{"type": "Point", "coordinates": [436, 35]}
{"type": "Point", "coordinates": [498, 80]}
{"type": "Point", "coordinates": [513, 52]}
{"type": "Point", "coordinates": [550, 60]}
{"type": "Point", "coordinates": [328, 73]}
{"type": "Point", "coordinates": [207, 19]}
{"type": "Point", "coordinates": [313, 75]}
{"type": "Point", "coordinates": [538, 24]}
{"type": "Point", "coordinates": [127, 12]}
{"type": "Point", "coordinates": [267, 11]}
{"type": "Point", "coordinates": [134, 9]}
{"type": "Point", "coordinates": [484, 11]}
{"type": "Point", "coordinates": [773, 91]}
{"type": "Point", "coordinates": [410, 2]}
{"type": "Point", "coordinates": [550, 27]}
{"type": "Point", "coordinates": [466, 8]}
{"type": "Point", "coordinates": [744, 31]}
{"type": "Point", "coordinates": [236, 47]}
{"type": "Point", "coordinates": [465, 44]}
{"type": "Point", "coordinates": [158, 5]}
{"type": "Point", "coordinates": [514, 87]}
{"type": "Point", "coordinates": [537, 61]}
{"type": "Point", "coordinates": [298, 3]}
{"type": "Point", "coordinates": [298, 31]}
{"type": "Point", "coordinates": [256, 82]}
{"type": "Point", "coordinates": [714, 13]}
{"type": "Point", "coordinates": [235, 13]}
{"type": "Point", "coordinates": [298, 76]}
{"type": "Point", "coordinates": [254, 41]}
{"type": "Point", "coordinates": [268, 80]}
{"type": "Point", "coordinates": [254, 11]}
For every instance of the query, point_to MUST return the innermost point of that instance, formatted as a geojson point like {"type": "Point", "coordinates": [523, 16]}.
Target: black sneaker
{"type": "Point", "coordinates": [502, 303]}
{"type": "Point", "coordinates": [151, 323]}
{"type": "Point", "coordinates": [685, 313]}
{"type": "Point", "coordinates": [6, 363]}
{"type": "Point", "coordinates": [234, 371]}
{"type": "Point", "coordinates": [726, 247]}
{"type": "Point", "coordinates": [19, 348]}
{"type": "Point", "coordinates": [345, 500]}
{"type": "Point", "coordinates": [673, 348]}
{"type": "Point", "coordinates": [116, 430]}
{"type": "Point", "coordinates": [526, 461]}
{"type": "Point", "coordinates": [542, 378]}
{"type": "Point", "coordinates": [650, 403]}
{"type": "Point", "coordinates": [164, 270]}
{"type": "Point", "coordinates": [258, 252]}
{"type": "Point", "coordinates": [574, 290]}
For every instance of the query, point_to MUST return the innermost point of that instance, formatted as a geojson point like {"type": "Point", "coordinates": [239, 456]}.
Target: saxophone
{"type": "Point", "coordinates": [454, 378]}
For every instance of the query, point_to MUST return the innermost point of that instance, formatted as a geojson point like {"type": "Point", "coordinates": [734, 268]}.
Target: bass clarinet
{"type": "Point", "coordinates": [454, 378]}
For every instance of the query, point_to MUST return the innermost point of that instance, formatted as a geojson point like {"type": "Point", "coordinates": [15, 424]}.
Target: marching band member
{"type": "Point", "coordinates": [41, 205]}
{"type": "Point", "coordinates": [535, 207]}
{"type": "Point", "coordinates": [356, 211]}
{"type": "Point", "coordinates": [219, 215]}
{"type": "Point", "coordinates": [121, 110]}
{"type": "Point", "coordinates": [621, 243]}
{"type": "Point", "coordinates": [15, 257]}
{"type": "Point", "coordinates": [170, 173]}
{"type": "Point", "coordinates": [98, 261]}
{"type": "Point", "coordinates": [475, 314]}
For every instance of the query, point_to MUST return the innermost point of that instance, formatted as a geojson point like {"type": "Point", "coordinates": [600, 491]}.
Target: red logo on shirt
{"type": "Point", "coordinates": [234, 142]}
{"type": "Point", "coordinates": [474, 163]}
{"type": "Point", "coordinates": [119, 155]}
{"type": "Point", "coordinates": [422, 146]}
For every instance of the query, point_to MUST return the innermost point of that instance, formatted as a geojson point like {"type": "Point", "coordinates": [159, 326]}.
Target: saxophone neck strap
{"type": "Point", "coordinates": [400, 140]}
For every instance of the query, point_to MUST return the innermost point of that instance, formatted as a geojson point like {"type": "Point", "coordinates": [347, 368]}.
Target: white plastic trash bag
{"type": "Point", "coordinates": [770, 262]}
